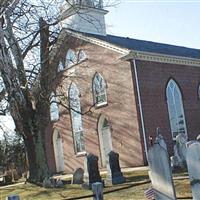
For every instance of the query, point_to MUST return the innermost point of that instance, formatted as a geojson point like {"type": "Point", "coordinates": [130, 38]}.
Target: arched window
{"type": "Point", "coordinates": [76, 118]}
{"type": "Point", "coordinates": [60, 66]}
{"type": "Point", "coordinates": [99, 90]}
{"type": "Point", "coordinates": [54, 110]}
{"type": "Point", "coordinates": [175, 109]}
{"type": "Point", "coordinates": [81, 55]}
{"type": "Point", "coordinates": [70, 58]}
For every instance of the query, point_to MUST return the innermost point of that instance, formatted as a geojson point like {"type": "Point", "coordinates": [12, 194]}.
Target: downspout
{"type": "Point", "coordinates": [140, 107]}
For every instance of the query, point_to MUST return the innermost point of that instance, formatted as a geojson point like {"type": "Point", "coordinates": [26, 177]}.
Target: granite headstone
{"type": "Point", "coordinates": [91, 171]}
{"type": "Point", "coordinates": [115, 175]}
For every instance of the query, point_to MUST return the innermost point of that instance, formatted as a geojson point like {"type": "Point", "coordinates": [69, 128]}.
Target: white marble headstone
{"type": "Point", "coordinates": [161, 174]}
{"type": "Point", "coordinates": [193, 164]}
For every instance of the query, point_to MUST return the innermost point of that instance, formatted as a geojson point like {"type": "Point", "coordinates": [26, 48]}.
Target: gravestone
{"type": "Point", "coordinates": [193, 164]}
{"type": "Point", "coordinates": [78, 176]}
{"type": "Point", "coordinates": [159, 138]}
{"type": "Point", "coordinates": [13, 197]}
{"type": "Point", "coordinates": [47, 183]}
{"type": "Point", "coordinates": [58, 184]}
{"type": "Point", "coordinates": [160, 172]}
{"type": "Point", "coordinates": [91, 171]}
{"type": "Point", "coordinates": [97, 189]}
{"type": "Point", "coordinates": [115, 175]}
{"type": "Point", "coordinates": [180, 149]}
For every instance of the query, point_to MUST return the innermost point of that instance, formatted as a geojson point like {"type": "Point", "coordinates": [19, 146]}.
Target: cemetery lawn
{"type": "Point", "coordinates": [133, 189]}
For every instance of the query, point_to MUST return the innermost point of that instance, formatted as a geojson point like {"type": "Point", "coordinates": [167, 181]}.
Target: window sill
{"type": "Point", "coordinates": [100, 105]}
{"type": "Point", "coordinates": [81, 154]}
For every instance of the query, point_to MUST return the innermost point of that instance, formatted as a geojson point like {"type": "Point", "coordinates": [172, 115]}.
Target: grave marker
{"type": "Point", "coordinates": [115, 175]}
{"type": "Point", "coordinates": [91, 171]}
{"type": "Point", "coordinates": [78, 176]}
{"type": "Point", "coordinates": [160, 171]}
{"type": "Point", "coordinates": [193, 164]}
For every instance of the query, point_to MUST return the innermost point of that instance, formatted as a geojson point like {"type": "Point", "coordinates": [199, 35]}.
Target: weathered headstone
{"type": "Point", "coordinates": [78, 176]}
{"type": "Point", "coordinates": [47, 183]}
{"type": "Point", "coordinates": [160, 172]}
{"type": "Point", "coordinates": [59, 183]}
{"type": "Point", "coordinates": [91, 171]}
{"type": "Point", "coordinates": [13, 197]}
{"type": "Point", "coordinates": [193, 164]}
{"type": "Point", "coordinates": [97, 189]}
{"type": "Point", "coordinates": [159, 139]}
{"type": "Point", "coordinates": [115, 175]}
{"type": "Point", "coordinates": [180, 150]}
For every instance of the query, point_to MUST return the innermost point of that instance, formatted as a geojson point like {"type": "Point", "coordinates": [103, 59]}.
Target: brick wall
{"type": "Point", "coordinates": [121, 109]}
{"type": "Point", "coordinates": [153, 78]}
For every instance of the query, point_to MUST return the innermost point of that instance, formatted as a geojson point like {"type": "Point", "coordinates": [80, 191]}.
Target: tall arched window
{"type": "Point", "coordinates": [76, 118]}
{"type": "Point", "coordinates": [70, 58]}
{"type": "Point", "coordinates": [99, 90]}
{"type": "Point", "coordinates": [175, 109]}
{"type": "Point", "coordinates": [54, 110]}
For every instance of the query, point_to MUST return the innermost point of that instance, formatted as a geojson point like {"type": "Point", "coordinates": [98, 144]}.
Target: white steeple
{"type": "Point", "coordinates": [84, 16]}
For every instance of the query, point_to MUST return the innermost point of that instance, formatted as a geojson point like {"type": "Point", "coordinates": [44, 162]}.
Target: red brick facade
{"type": "Point", "coordinates": [153, 78]}
{"type": "Point", "coordinates": [120, 110]}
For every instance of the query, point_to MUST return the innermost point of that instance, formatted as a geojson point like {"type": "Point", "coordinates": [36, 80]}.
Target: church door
{"type": "Point", "coordinates": [58, 151]}
{"type": "Point", "coordinates": [105, 139]}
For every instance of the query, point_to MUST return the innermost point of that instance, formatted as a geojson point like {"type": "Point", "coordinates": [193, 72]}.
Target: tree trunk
{"type": "Point", "coordinates": [38, 169]}
{"type": "Point", "coordinates": [30, 123]}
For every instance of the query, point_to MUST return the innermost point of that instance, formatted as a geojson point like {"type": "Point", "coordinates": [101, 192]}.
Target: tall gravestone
{"type": "Point", "coordinates": [115, 175]}
{"type": "Point", "coordinates": [91, 171]}
{"type": "Point", "coordinates": [179, 158]}
{"type": "Point", "coordinates": [193, 164]}
{"type": "Point", "coordinates": [160, 172]}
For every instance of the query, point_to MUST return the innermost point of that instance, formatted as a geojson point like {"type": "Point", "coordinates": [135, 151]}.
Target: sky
{"type": "Point", "coordinates": [173, 22]}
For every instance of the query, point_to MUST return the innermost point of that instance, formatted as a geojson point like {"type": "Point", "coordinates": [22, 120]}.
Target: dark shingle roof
{"type": "Point", "coordinates": [147, 46]}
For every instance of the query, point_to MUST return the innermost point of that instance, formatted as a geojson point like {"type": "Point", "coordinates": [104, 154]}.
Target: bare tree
{"type": "Point", "coordinates": [28, 31]}
{"type": "Point", "coordinates": [20, 38]}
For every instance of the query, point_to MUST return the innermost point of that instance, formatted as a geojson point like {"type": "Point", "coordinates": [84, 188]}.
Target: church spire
{"type": "Point", "coordinates": [84, 15]}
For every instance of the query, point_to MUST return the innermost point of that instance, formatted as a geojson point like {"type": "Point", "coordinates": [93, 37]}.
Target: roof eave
{"type": "Point", "coordinates": [162, 58]}
{"type": "Point", "coordinates": [99, 42]}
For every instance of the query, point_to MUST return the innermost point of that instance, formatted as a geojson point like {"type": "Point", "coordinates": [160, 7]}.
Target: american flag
{"type": "Point", "coordinates": [150, 194]}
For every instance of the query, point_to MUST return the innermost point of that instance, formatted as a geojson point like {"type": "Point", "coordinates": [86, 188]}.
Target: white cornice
{"type": "Point", "coordinates": [98, 42]}
{"type": "Point", "coordinates": [162, 58]}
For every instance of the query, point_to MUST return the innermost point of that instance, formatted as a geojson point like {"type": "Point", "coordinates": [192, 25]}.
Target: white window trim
{"type": "Point", "coordinates": [182, 109]}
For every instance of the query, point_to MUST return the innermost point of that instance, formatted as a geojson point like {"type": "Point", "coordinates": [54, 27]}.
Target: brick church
{"type": "Point", "coordinates": [116, 92]}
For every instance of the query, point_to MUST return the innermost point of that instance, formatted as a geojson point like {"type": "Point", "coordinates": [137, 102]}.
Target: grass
{"type": "Point", "coordinates": [128, 191]}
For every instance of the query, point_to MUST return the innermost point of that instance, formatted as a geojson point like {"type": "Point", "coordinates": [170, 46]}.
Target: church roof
{"type": "Point", "coordinates": [148, 46]}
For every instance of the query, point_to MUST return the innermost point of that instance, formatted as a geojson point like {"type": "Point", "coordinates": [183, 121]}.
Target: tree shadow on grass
{"type": "Point", "coordinates": [121, 187]}
{"type": "Point", "coordinates": [137, 178]}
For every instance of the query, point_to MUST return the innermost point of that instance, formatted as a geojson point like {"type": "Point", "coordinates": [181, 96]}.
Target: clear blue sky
{"type": "Point", "coordinates": [174, 22]}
